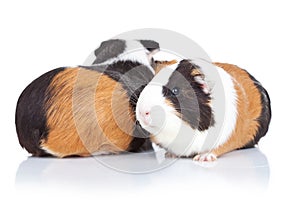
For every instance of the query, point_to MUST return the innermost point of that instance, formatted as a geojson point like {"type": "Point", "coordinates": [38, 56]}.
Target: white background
{"type": "Point", "coordinates": [261, 36]}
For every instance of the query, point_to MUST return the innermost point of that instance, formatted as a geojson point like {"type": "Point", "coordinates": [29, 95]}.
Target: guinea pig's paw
{"type": "Point", "coordinates": [170, 155]}
{"type": "Point", "coordinates": [207, 157]}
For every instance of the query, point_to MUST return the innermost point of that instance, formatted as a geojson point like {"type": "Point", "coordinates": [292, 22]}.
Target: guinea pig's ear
{"type": "Point", "coordinates": [203, 84]}
{"type": "Point", "coordinates": [109, 49]}
{"type": "Point", "coordinates": [151, 46]}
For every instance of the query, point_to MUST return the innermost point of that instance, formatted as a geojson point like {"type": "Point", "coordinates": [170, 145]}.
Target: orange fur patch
{"type": "Point", "coordinates": [83, 116]}
{"type": "Point", "coordinates": [248, 107]}
{"type": "Point", "coordinates": [159, 65]}
{"type": "Point", "coordinates": [196, 72]}
{"type": "Point", "coordinates": [169, 103]}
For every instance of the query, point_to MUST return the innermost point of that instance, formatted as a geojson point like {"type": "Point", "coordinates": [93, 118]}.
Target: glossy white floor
{"type": "Point", "coordinates": [244, 170]}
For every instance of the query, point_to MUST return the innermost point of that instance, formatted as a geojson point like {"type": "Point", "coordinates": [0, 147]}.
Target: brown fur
{"type": "Point", "coordinates": [159, 65]}
{"type": "Point", "coordinates": [196, 72]}
{"type": "Point", "coordinates": [248, 107]}
{"type": "Point", "coordinates": [83, 116]}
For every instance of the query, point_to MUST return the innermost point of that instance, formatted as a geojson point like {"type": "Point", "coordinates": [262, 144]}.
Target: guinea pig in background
{"type": "Point", "coordinates": [178, 108]}
{"type": "Point", "coordinates": [88, 110]}
{"type": "Point", "coordinates": [111, 50]}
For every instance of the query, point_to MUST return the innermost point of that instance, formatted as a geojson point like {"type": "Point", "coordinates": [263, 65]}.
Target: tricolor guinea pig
{"type": "Point", "coordinates": [88, 110]}
{"type": "Point", "coordinates": [188, 116]}
{"type": "Point", "coordinates": [111, 50]}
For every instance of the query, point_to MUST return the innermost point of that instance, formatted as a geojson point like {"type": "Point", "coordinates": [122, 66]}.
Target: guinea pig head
{"type": "Point", "coordinates": [178, 96]}
{"type": "Point", "coordinates": [119, 49]}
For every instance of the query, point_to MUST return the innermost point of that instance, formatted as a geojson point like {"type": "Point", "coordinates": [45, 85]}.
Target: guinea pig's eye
{"type": "Point", "coordinates": [175, 91]}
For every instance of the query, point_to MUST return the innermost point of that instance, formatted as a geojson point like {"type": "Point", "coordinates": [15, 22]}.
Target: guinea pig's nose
{"type": "Point", "coordinates": [147, 113]}
{"type": "Point", "coordinates": [145, 116]}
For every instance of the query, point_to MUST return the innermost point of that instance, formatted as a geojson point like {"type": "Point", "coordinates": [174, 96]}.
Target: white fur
{"type": "Point", "coordinates": [51, 152]}
{"type": "Point", "coordinates": [145, 103]}
{"type": "Point", "coordinates": [179, 138]}
{"type": "Point", "coordinates": [134, 51]}
{"type": "Point", "coordinates": [60, 155]}
{"type": "Point", "coordinates": [173, 133]}
{"type": "Point", "coordinates": [230, 102]}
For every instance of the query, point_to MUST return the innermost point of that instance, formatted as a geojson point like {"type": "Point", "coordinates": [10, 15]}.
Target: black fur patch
{"type": "Point", "coordinates": [141, 141]}
{"type": "Point", "coordinates": [191, 103]}
{"type": "Point", "coordinates": [133, 77]}
{"type": "Point", "coordinates": [109, 49]}
{"type": "Point", "coordinates": [31, 114]}
{"type": "Point", "coordinates": [150, 45]}
{"type": "Point", "coordinates": [265, 116]}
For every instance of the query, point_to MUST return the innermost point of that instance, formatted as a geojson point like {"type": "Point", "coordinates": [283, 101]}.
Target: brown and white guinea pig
{"type": "Point", "coordinates": [88, 110]}
{"type": "Point", "coordinates": [185, 112]}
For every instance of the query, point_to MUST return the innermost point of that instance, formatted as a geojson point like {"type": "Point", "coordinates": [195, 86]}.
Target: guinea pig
{"type": "Point", "coordinates": [178, 107]}
{"type": "Point", "coordinates": [110, 50]}
{"type": "Point", "coordinates": [84, 110]}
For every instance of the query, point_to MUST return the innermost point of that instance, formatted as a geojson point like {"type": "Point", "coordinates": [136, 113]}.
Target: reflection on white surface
{"type": "Point", "coordinates": [240, 170]}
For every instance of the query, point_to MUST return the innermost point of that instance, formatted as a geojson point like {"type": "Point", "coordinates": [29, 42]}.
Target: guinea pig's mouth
{"type": "Point", "coordinates": [153, 128]}
{"type": "Point", "coordinates": [145, 126]}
